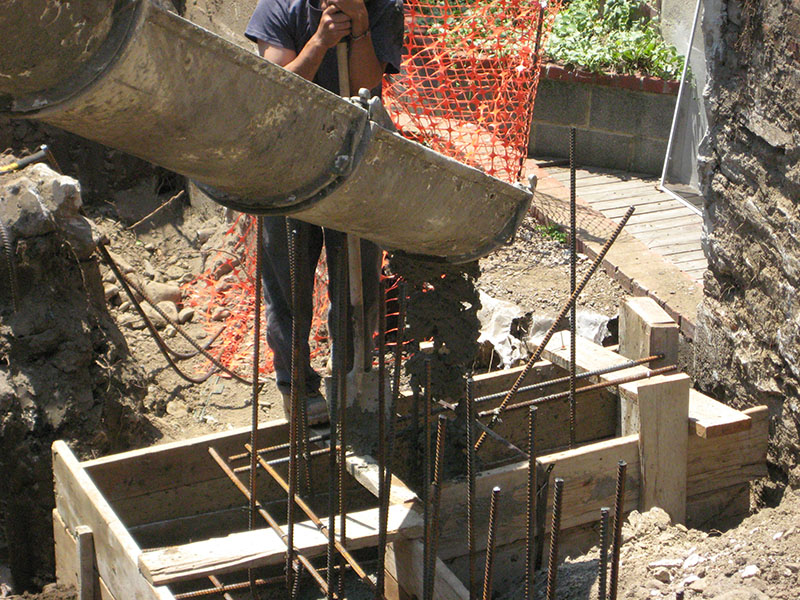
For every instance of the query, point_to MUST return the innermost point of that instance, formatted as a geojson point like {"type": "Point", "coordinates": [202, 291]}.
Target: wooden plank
{"type": "Point", "coordinates": [175, 464]}
{"type": "Point", "coordinates": [501, 381]}
{"type": "Point", "coordinates": [663, 443]}
{"type": "Point", "coordinates": [726, 460]}
{"type": "Point", "coordinates": [263, 547]}
{"type": "Point", "coordinates": [404, 560]}
{"type": "Point", "coordinates": [79, 502]}
{"type": "Point", "coordinates": [589, 473]}
{"type": "Point", "coordinates": [645, 329]}
{"type": "Point", "coordinates": [652, 216]}
{"type": "Point", "coordinates": [713, 419]}
{"type": "Point", "coordinates": [66, 554]}
{"type": "Point", "coordinates": [86, 570]}
{"type": "Point", "coordinates": [615, 204]}
{"type": "Point", "coordinates": [662, 227]}
{"type": "Point", "coordinates": [660, 240]}
{"type": "Point", "coordinates": [364, 469]}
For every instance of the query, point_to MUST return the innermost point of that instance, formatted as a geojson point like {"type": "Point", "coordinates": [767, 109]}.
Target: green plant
{"type": "Point", "coordinates": [622, 39]}
{"type": "Point", "coordinates": [552, 232]}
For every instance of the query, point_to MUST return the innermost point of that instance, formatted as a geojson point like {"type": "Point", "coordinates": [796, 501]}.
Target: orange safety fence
{"type": "Point", "coordinates": [466, 89]}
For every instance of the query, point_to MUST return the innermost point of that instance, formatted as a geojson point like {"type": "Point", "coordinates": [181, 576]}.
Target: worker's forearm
{"type": "Point", "coordinates": [307, 62]}
{"type": "Point", "coordinates": [366, 70]}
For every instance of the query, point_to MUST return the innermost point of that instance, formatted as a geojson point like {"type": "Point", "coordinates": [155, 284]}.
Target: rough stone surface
{"type": "Point", "coordinates": [748, 330]}
{"type": "Point", "coordinates": [64, 367]}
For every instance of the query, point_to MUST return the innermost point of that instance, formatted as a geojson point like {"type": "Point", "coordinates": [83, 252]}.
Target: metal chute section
{"type": "Point", "coordinates": [259, 138]}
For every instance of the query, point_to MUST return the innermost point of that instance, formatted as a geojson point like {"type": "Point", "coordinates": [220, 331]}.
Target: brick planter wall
{"type": "Point", "coordinates": [622, 121]}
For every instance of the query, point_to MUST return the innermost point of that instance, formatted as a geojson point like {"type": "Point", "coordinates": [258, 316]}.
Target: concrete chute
{"type": "Point", "coordinates": [141, 79]}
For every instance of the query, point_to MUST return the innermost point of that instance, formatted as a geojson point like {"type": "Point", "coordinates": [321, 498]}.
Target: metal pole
{"type": "Point", "coordinates": [573, 264]}
{"type": "Point", "coordinates": [426, 459]}
{"type": "Point", "coordinates": [530, 507]}
{"type": "Point", "coordinates": [541, 514]}
{"type": "Point", "coordinates": [291, 237]}
{"type": "Point", "coordinates": [471, 486]}
{"type": "Point", "coordinates": [538, 353]}
{"type": "Point", "coordinates": [382, 487]}
{"type": "Point", "coordinates": [342, 400]}
{"type": "Point", "coordinates": [602, 576]}
{"type": "Point", "coordinates": [552, 564]}
{"type": "Point", "coordinates": [580, 390]}
{"type": "Point", "coordinates": [267, 517]}
{"type": "Point", "coordinates": [435, 497]}
{"type": "Point", "coordinates": [489, 570]}
{"type": "Point", "coordinates": [560, 380]}
{"type": "Point", "coordinates": [619, 508]}
{"type": "Point", "coordinates": [255, 389]}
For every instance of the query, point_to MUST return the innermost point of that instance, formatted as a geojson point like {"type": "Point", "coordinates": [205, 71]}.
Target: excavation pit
{"type": "Point", "coordinates": [164, 519]}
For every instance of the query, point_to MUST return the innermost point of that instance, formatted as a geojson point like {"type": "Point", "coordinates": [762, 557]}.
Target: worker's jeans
{"type": "Point", "coordinates": [278, 294]}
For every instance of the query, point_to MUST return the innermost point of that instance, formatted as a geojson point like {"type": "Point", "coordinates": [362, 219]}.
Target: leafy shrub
{"type": "Point", "coordinates": [622, 40]}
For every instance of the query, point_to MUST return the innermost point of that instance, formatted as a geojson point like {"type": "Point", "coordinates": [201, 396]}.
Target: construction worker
{"type": "Point", "coordinates": [301, 36]}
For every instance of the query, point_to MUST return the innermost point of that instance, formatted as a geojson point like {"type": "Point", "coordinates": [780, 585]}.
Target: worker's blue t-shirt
{"type": "Point", "coordinates": [291, 23]}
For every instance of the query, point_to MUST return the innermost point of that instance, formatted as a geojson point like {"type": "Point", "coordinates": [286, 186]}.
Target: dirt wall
{"type": "Point", "coordinates": [748, 331]}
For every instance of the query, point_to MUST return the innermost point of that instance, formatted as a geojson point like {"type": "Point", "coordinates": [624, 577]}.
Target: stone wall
{"type": "Point", "coordinates": [748, 330]}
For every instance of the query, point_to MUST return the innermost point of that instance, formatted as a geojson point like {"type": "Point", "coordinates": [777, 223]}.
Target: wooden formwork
{"type": "Point", "coordinates": [685, 452]}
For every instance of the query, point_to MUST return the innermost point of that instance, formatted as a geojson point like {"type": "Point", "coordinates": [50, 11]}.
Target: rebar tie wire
{"type": "Point", "coordinates": [129, 287]}
{"type": "Point", "coordinates": [538, 353]}
{"type": "Point", "coordinates": [165, 350]}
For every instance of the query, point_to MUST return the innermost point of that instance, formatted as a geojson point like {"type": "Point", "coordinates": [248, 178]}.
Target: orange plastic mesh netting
{"type": "Point", "coordinates": [466, 89]}
{"type": "Point", "coordinates": [469, 78]}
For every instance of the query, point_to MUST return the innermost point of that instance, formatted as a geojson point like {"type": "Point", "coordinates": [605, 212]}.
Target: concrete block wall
{"type": "Point", "coordinates": [622, 122]}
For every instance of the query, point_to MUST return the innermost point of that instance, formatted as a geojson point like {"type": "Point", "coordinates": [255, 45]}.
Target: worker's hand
{"type": "Point", "coordinates": [357, 11]}
{"type": "Point", "coordinates": [333, 26]}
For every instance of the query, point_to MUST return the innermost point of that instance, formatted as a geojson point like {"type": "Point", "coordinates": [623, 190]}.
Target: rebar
{"type": "Point", "coordinates": [619, 507]}
{"type": "Point", "coordinates": [490, 541]}
{"type": "Point", "coordinates": [382, 491]}
{"type": "Point", "coordinates": [530, 506]}
{"type": "Point", "coordinates": [585, 375]}
{"type": "Point", "coordinates": [316, 520]}
{"type": "Point", "coordinates": [435, 500]}
{"type": "Point", "coordinates": [339, 369]}
{"type": "Point", "coordinates": [549, 334]}
{"type": "Point", "coordinates": [541, 513]}
{"type": "Point", "coordinates": [582, 390]}
{"type": "Point", "coordinates": [11, 264]}
{"type": "Point", "coordinates": [471, 486]}
{"type": "Point", "coordinates": [254, 399]}
{"type": "Point", "coordinates": [227, 587]}
{"type": "Point", "coordinates": [129, 287]}
{"type": "Point", "coordinates": [552, 563]}
{"type": "Point", "coordinates": [267, 517]}
{"type": "Point", "coordinates": [342, 400]}
{"type": "Point", "coordinates": [398, 361]}
{"type": "Point", "coordinates": [602, 575]}
{"type": "Point", "coordinates": [426, 469]}
{"type": "Point", "coordinates": [285, 459]}
{"type": "Point", "coordinates": [573, 265]}
{"type": "Point", "coordinates": [277, 447]}
{"type": "Point", "coordinates": [294, 392]}
{"type": "Point", "coordinates": [500, 439]}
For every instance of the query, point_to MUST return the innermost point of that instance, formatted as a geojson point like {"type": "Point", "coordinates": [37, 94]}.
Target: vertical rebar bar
{"type": "Point", "coordinates": [342, 400]}
{"type": "Point", "coordinates": [530, 507]}
{"type": "Point", "coordinates": [434, 498]}
{"type": "Point", "coordinates": [549, 334]}
{"type": "Point", "coordinates": [555, 528]}
{"type": "Point", "coordinates": [541, 513]}
{"type": "Point", "coordinates": [619, 507]}
{"type": "Point", "coordinates": [382, 488]}
{"type": "Point", "coordinates": [294, 396]}
{"type": "Point", "coordinates": [254, 399]}
{"type": "Point", "coordinates": [573, 265]}
{"type": "Point", "coordinates": [426, 483]}
{"type": "Point", "coordinates": [490, 540]}
{"type": "Point", "coordinates": [602, 575]}
{"type": "Point", "coordinates": [470, 399]}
